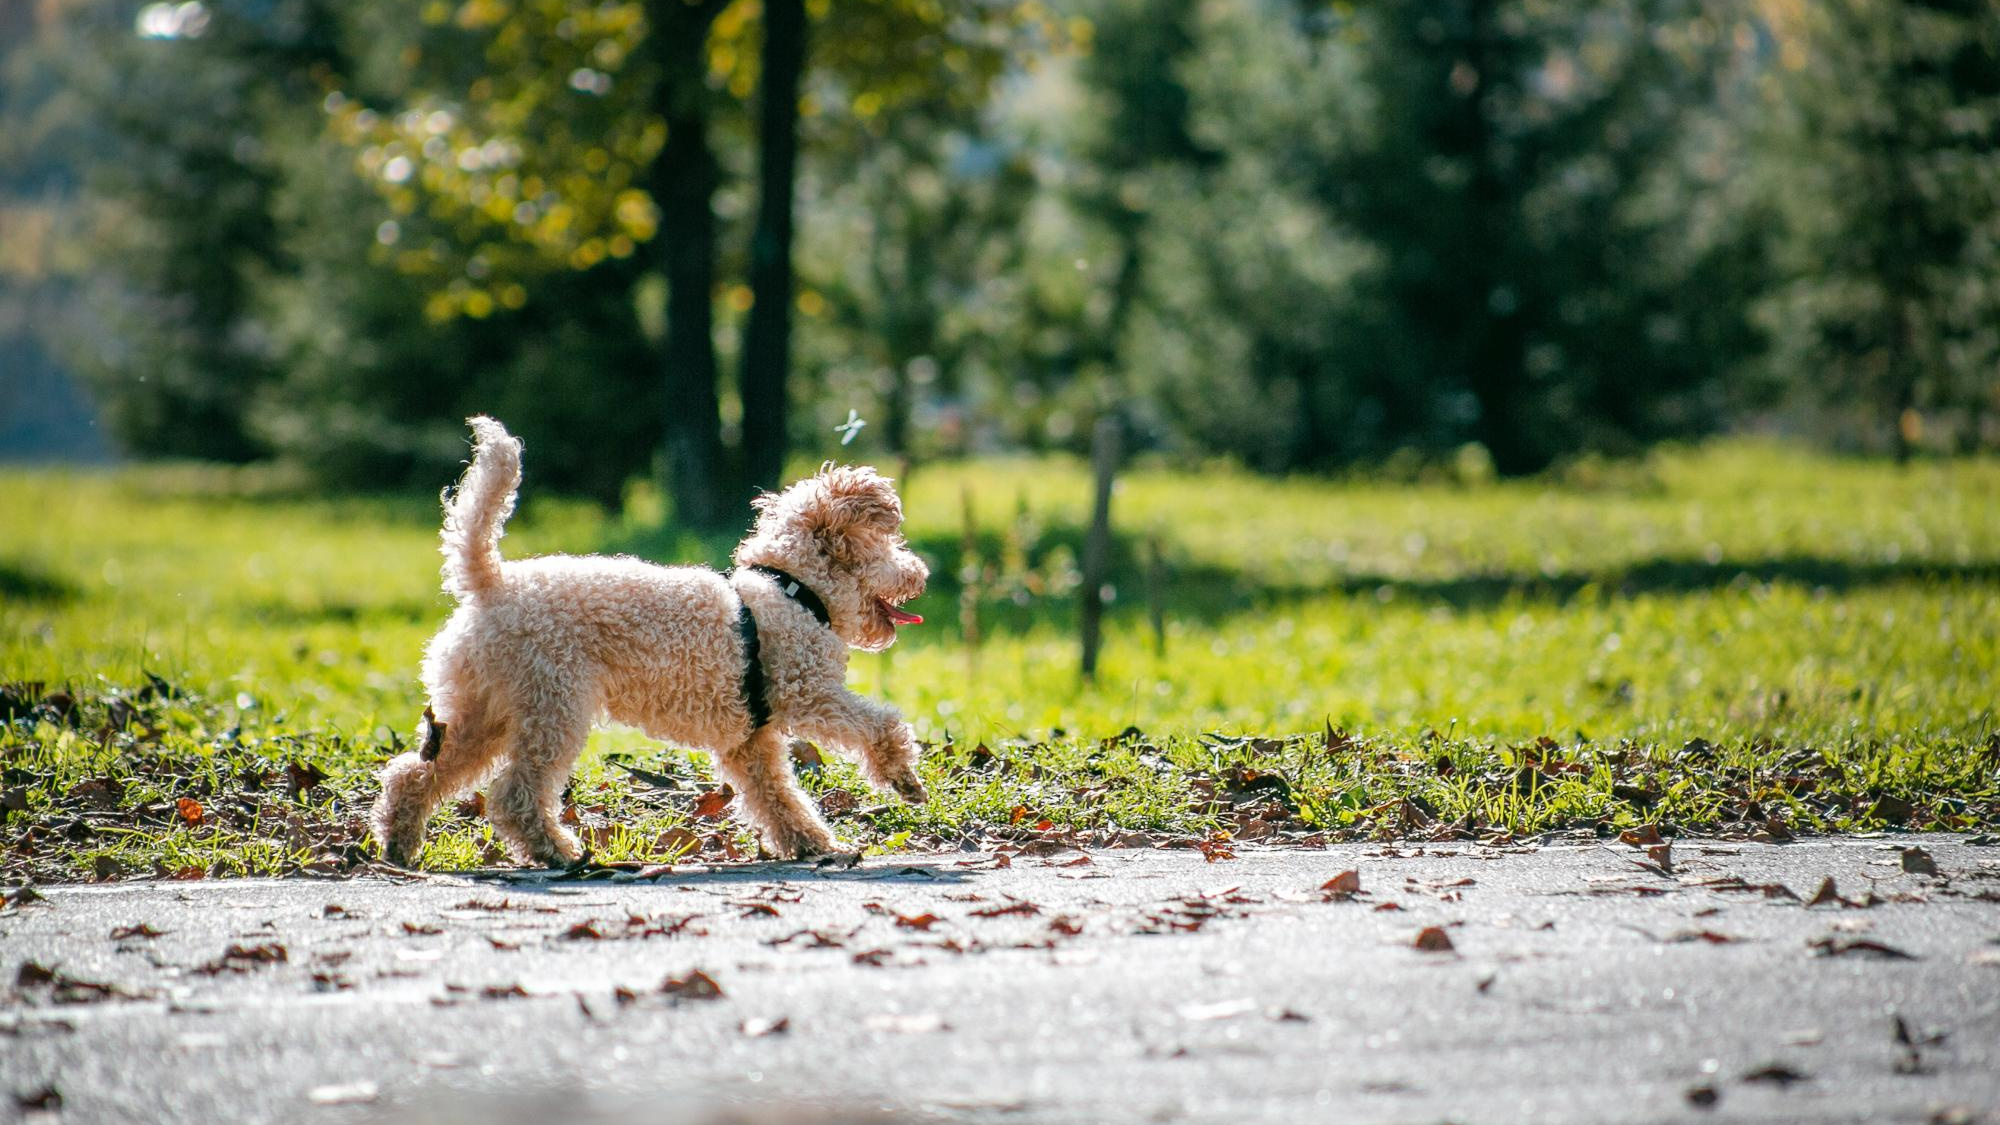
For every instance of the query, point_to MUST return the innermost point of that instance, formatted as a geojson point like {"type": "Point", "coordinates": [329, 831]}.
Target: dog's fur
{"type": "Point", "coordinates": [541, 648]}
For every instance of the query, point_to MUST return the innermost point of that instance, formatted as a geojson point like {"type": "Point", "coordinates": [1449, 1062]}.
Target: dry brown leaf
{"type": "Point", "coordinates": [757, 1027]}
{"type": "Point", "coordinates": [696, 985]}
{"type": "Point", "coordinates": [1646, 835]}
{"type": "Point", "coordinates": [1433, 939]}
{"type": "Point", "coordinates": [1858, 947]}
{"type": "Point", "coordinates": [713, 803]}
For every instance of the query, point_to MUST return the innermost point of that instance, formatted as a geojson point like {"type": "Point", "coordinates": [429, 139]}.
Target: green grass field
{"type": "Point", "coordinates": [1737, 637]}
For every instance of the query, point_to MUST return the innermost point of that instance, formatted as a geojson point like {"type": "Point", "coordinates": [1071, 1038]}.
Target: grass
{"type": "Point", "coordinates": [1736, 635]}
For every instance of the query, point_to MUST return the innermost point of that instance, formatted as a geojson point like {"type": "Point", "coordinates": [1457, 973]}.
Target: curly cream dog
{"type": "Point", "coordinates": [541, 648]}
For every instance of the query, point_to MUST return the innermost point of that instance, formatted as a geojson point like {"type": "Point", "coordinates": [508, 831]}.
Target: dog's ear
{"type": "Point", "coordinates": [850, 504]}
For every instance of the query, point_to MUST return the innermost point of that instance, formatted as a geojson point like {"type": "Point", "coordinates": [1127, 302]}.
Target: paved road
{"type": "Point", "coordinates": [1122, 986]}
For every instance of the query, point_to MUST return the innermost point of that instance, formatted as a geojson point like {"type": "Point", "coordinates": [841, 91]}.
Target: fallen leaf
{"type": "Point", "coordinates": [696, 985]}
{"type": "Point", "coordinates": [874, 958]}
{"type": "Point", "coordinates": [1016, 907]}
{"type": "Point", "coordinates": [585, 930]}
{"type": "Point", "coordinates": [756, 909]}
{"type": "Point", "coordinates": [504, 992]}
{"type": "Point", "coordinates": [1858, 947]}
{"type": "Point", "coordinates": [142, 930]}
{"type": "Point", "coordinates": [813, 939]}
{"type": "Point", "coordinates": [1776, 1074]}
{"type": "Point", "coordinates": [422, 929]}
{"type": "Point", "coordinates": [1345, 885]}
{"type": "Point", "coordinates": [1433, 939]}
{"type": "Point", "coordinates": [1917, 861]}
{"type": "Point", "coordinates": [1662, 856]}
{"type": "Point", "coordinates": [1065, 925]}
{"type": "Point", "coordinates": [301, 776]}
{"type": "Point", "coordinates": [713, 803]}
{"type": "Point", "coordinates": [1703, 1097]}
{"type": "Point", "coordinates": [1827, 895]}
{"type": "Point", "coordinates": [757, 1027]}
{"type": "Point", "coordinates": [677, 842]}
{"type": "Point", "coordinates": [189, 810]}
{"type": "Point", "coordinates": [1645, 835]}
{"type": "Point", "coordinates": [48, 1100]}
{"type": "Point", "coordinates": [917, 921]}
{"type": "Point", "coordinates": [23, 896]}
{"type": "Point", "coordinates": [1709, 936]}
{"type": "Point", "coordinates": [243, 958]}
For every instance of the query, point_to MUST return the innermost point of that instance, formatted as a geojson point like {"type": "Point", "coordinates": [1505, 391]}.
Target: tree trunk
{"type": "Point", "coordinates": [683, 181]}
{"type": "Point", "coordinates": [1496, 361]}
{"type": "Point", "coordinates": [767, 335]}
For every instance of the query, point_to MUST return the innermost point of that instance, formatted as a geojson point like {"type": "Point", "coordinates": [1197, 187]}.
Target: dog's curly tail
{"type": "Point", "coordinates": [475, 514]}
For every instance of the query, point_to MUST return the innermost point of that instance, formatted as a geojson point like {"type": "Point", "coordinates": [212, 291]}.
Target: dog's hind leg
{"type": "Point", "coordinates": [525, 803]}
{"type": "Point", "coordinates": [761, 770]}
{"type": "Point", "coordinates": [413, 786]}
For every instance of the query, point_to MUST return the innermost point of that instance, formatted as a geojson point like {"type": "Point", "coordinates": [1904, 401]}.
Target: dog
{"type": "Point", "coordinates": [736, 664]}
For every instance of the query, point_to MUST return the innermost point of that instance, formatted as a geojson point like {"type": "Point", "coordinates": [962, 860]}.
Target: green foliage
{"type": "Point", "coordinates": [1886, 116]}
{"type": "Point", "coordinates": [1303, 236]}
{"type": "Point", "coordinates": [1413, 225]}
{"type": "Point", "coordinates": [1806, 618]}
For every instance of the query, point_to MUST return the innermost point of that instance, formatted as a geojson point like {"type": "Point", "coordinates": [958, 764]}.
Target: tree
{"type": "Point", "coordinates": [1529, 179]}
{"type": "Point", "coordinates": [522, 171]}
{"type": "Point", "coordinates": [1889, 133]}
{"type": "Point", "coordinates": [683, 183]}
{"type": "Point", "coordinates": [767, 336]}
{"type": "Point", "coordinates": [183, 106]}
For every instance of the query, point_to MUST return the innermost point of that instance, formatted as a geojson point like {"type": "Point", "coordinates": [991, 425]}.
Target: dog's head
{"type": "Point", "coordinates": [840, 532]}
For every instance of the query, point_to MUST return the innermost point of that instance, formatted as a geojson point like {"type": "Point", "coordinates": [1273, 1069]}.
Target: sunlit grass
{"type": "Point", "coordinates": [1762, 599]}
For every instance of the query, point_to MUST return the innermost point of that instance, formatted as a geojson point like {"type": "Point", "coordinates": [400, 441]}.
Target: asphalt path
{"type": "Point", "coordinates": [1574, 982]}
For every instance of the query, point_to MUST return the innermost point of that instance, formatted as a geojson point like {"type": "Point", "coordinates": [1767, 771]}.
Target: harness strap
{"type": "Point", "coordinates": [753, 669]}
{"type": "Point", "coordinates": [798, 592]}
{"type": "Point", "coordinates": [754, 698]}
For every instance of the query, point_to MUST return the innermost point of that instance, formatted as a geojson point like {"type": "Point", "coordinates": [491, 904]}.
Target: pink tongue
{"type": "Point", "coordinates": [901, 616]}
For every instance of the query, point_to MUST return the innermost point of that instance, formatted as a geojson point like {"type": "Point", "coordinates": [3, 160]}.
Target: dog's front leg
{"type": "Point", "coordinates": [875, 732]}
{"type": "Point", "coordinates": [761, 770]}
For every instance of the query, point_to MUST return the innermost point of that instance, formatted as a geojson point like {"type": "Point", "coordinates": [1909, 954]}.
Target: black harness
{"type": "Point", "coordinates": [746, 627]}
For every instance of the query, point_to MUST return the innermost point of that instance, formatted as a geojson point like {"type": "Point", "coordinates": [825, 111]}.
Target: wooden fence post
{"type": "Point", "coordinates": [1097, 548]}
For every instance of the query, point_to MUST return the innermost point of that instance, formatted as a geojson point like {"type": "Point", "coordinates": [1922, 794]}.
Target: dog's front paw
{"type": "Point", "coordinates": [799, 843]}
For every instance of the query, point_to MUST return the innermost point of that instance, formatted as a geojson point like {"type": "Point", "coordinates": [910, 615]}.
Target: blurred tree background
{"type": "Point", "coordinates": [681, 239]}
